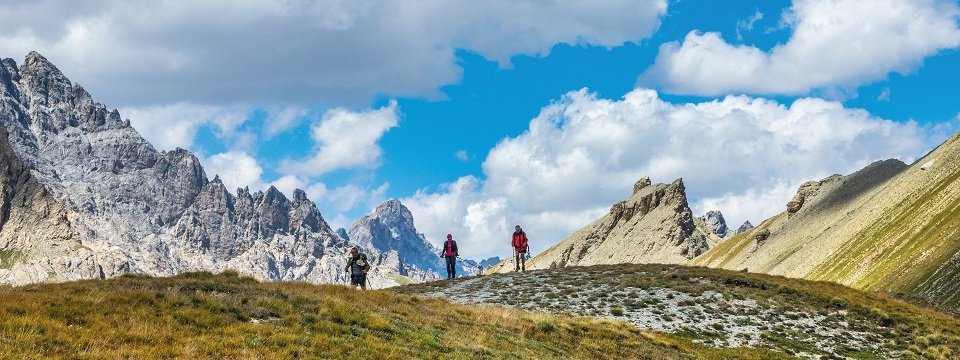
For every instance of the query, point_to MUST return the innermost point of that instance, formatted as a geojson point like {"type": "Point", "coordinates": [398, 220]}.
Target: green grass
{"type": "Point", "coordinates": [9, 257]}
{"type": "Point", "coordinates": [727, 250]}
{"type": "Point", "coordinates": [901, 259]}
{"type": "Point", "coordinates": [201, 315]}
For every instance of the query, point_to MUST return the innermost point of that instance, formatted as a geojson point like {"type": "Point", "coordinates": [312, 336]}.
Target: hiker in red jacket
{"type": "Point", "coordinates": [450, 253]}
{"type": "Point", "coordinates": [520, 248]}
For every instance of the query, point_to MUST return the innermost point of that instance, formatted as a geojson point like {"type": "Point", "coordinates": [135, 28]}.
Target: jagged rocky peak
{"type": "Point", "coordinates": [46, 86]}
{"type": "Point", "coordinates": [272, 200]}
{"type": "Point", "coordinates": [304, 213]}
{"type": "Point", "coordinates": [747, 226]}
{"type": "Point", "coordinates": [640, 184]}
{"type": "Point", "coordinates": [214, 195]}
{"type": "Point", "coordinates": [343, 234]}
{"type": "Point", "coordinates": [654, 225]}
{"type": "Point", "coordinates": [716, 223]}
{"type": "Point", "coordinates": [145, 211]}
{"type": "Point", "coordinates": [9, 75]}
{"type": "Point", "coordinates": [391, 227]}
{"type": "Point", "coordinates": [646, 198]}
{"type": "Point", "coordinates": [395, 213]}
{"type": "Point", "coordinates": [488, 262]}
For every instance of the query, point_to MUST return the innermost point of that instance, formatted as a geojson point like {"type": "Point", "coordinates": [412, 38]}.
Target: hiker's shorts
{"type": "Point", "coordinates": [358, 280]}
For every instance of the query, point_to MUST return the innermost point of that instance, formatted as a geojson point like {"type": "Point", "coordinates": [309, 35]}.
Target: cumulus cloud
{"type": "Point", "coordinates": [334, 201]}
{"type": "Point", "coordinates": [171, 126]}
{"type": "Point", "coordinates": [836, 45]}
{"type": "Point", "coordinates": [346, 139]}
{"type": "Point", "coordinates": [282, 119]}
{"type": "Point", "coordinates": [740, 154]}
{"type": "Point", "coordinates": [236, 170]}
{"type": "Point", "coordinates": [332, 52]}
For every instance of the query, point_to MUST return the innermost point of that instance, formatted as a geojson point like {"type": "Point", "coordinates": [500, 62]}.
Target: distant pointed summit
{"type": "Point", "coordinates": [654, 225]}
{"type": "Point", "coordinates": [717, 224]}
{"type": "Point", "coordinates": [390, 227]}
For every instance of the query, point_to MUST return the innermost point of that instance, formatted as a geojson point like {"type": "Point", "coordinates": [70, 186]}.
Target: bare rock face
{"type": "Point", "coordinates": [85, 196]}
{"type": "Point", "coordinates": [38, 240]}
{"type": "Point", "coordinates": [762, 236]}
{"type": "Point", "coordinates": [716, 223]}
{"type": "Point", "coordinates": [655, 225]}
{"type": "Point", "coordinates": [806, 189]}
{"type": "Point", "coordinates": [389, 228]}
{"type": "Point", "coordinates": [640, 184]}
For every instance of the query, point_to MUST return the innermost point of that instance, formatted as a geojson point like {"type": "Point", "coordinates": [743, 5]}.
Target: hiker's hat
{"type": "Point", "coordinates": [449, 236]}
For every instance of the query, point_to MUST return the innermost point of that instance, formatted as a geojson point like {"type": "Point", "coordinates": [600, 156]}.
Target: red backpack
{"type": "Point", "coordinates": [450, 248]}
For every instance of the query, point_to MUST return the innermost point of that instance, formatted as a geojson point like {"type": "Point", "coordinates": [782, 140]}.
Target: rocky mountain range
{"type": "Point", "coordinates": [389, 233]}
{"type": "Point", "coordinates": [85, 196]}
{"type": "Point", "coordinates": [654, 225]}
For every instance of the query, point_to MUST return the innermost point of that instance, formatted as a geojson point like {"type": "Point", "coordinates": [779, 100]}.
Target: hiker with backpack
{"type": "Point", "coordinates": [520, 247]}
{"type": "Point", "coordinates": [450, 253]}
{"type": "Point", "coordinates": [358, 266]}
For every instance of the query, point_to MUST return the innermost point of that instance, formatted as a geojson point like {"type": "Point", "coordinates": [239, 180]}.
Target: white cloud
{"type": "Point", "coordinates": [580, 155]}
{"type": "Point", "coordinates": [836, 44]}
{"type": "Point", "coordinates": [283, 119]}
{"type": "Point", "coordinates": [332, 51]}
{"type": "Point", "coordinates": [348, 197]}
{"type": "Point", "coordinates": [754, 204]}
{"type": "Point", "coordinates": [338, 200]}
{"type": "Point", "coordinates": [884, 94]}
{"type": "Point", "coordinates": [747, 24]}
{"type": "Point", "coordinates": [461, 155]}
{"type": "Point", "coordinates": [171, 126]}
{"type": "Point", "coordinates": [236, 170]}
{"type": "Point", "coordinates": [346, 139]}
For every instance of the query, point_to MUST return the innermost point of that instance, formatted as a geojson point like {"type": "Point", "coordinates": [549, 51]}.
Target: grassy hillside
{"type": "Point", "coordinates": [224, 316]}
{"type": "Point", "coordinates": [724, 309]}
{"type": "Point", "coordinates": [885, 227]}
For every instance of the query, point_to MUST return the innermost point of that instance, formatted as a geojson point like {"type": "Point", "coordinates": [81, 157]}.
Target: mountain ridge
{"type": "Point", "coordinates": [654, 225]}
{"type": "Point", "coordinates": [887, 227]}
{"type": "Point", "coordinates": [140, 210]}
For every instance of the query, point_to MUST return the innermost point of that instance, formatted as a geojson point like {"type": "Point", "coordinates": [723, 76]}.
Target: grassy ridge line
{"type": "Point", "coordinates": [200, 315]}
{"type": "Point", "coordinates": [900, 258]}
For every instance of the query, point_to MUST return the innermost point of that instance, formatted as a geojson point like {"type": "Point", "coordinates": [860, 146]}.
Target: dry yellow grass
{"type": "Point", "coordinates": [201, 315]}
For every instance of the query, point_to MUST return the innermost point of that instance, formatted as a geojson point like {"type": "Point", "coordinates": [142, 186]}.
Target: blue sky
{"type": "Point", "coordinates": [474, 113]}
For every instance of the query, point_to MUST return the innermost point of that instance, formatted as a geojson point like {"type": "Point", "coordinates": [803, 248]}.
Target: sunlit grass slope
{"type": "Point", "coordinates": [886, 227]}
{"type": "Point", "coordinates": [201, 315]}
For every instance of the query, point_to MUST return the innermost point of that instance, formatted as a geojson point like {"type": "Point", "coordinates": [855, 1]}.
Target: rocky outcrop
{"type": "Point", "coordinates": [389, 228]}
{"type": "Point", "coordinates": [86, 196]}
{"type": "Point", "coordinates": [716, 223]}
{"type": "Point", "coordinates": [655, 225]}
{"type": "Point", "coordinates": [806, 189]}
